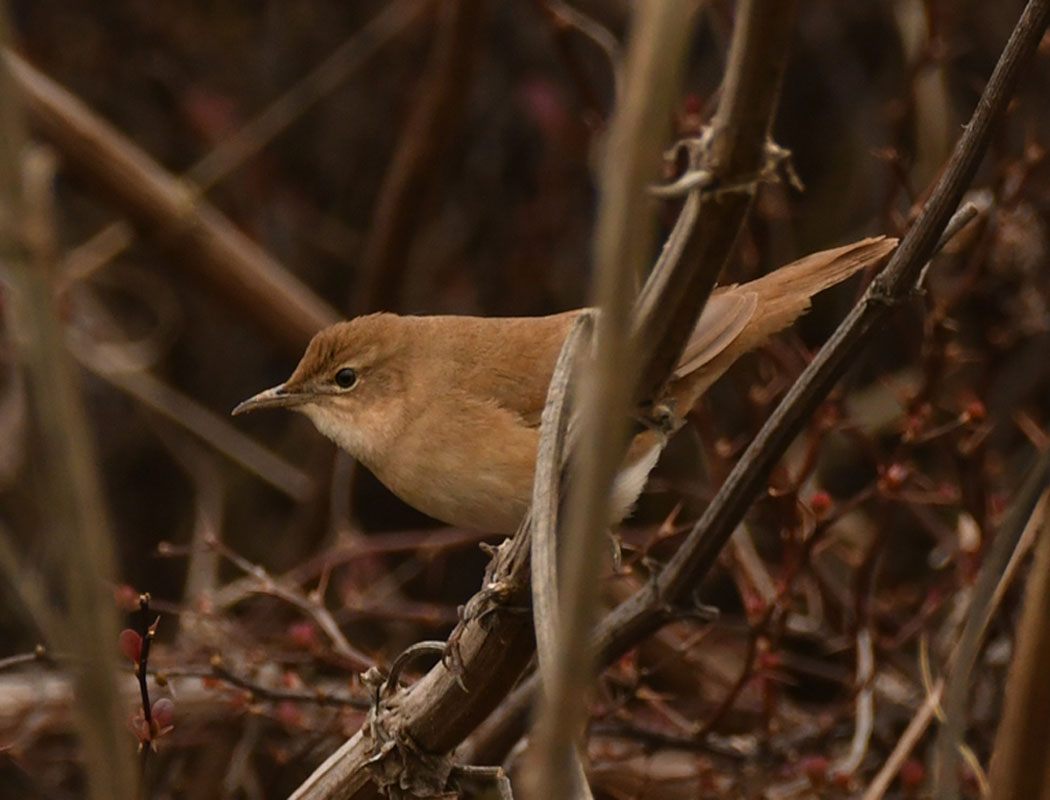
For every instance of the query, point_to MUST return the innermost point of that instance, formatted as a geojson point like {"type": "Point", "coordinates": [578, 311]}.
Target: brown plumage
{"type": "Point", "coordinates": [445, 410]}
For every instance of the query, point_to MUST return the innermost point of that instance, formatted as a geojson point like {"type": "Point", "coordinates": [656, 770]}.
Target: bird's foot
{"type": "Point", "coordinates": [660, 417]}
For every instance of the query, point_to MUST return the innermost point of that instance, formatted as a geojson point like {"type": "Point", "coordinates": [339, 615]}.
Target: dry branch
{"type": "Point", "coordinates": [237, 149]}
{"type": "Point", "coordinates": [735, 157]}
{"type": "Point", "coordinates": [957, 692]}
{"type": "Point", "coordinates": [172, 210]}
{"type": "Point", "coordinates": [543, 525]}
{"type": "Point", "coordinates": [437, 110]}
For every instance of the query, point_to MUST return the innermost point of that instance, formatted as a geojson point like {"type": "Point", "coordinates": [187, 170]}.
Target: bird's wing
{"type": "Point", "coordinates": [727, 313]}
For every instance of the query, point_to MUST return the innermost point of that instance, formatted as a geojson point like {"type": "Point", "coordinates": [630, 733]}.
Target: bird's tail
{"type": "Point", "coordinates": [740, 318]}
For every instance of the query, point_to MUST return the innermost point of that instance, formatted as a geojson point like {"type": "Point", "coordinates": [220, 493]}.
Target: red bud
{"type": "Point", "coordinates": [130, 645]}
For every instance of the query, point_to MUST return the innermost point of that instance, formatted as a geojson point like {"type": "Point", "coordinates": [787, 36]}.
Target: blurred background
{"type": "Point", "coordinates": [447, 165]}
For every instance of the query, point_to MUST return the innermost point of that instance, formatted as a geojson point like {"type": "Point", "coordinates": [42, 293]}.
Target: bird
{"type": "Point", "coordinates": [445, 410]}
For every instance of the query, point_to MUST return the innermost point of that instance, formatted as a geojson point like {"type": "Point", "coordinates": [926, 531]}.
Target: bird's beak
{"type": "Point", "coordinates": [277, 397]}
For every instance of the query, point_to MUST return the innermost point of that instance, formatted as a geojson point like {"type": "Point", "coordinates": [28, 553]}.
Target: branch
{"type": "Point", "coordinates": [735, 156]}
{"type": "Point", "coordinates": [1024, 727]}
{"type": "Point", "coordinates": [437, 109]}
{"type": "Point", "coordinates": [209, 245]}
{"type": "Point", "coordinates": [234, 151]}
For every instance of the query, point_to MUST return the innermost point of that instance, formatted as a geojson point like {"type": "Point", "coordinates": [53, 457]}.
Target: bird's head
{"type": "Point", "coordinates": [350, 383]}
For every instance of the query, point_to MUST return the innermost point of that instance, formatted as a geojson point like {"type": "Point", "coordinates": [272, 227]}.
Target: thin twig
{"type": "Point", "coordinates": [920, 721]}
{"type": "Point", "coordinates": [864, 704]}
{"type": "Point", "coordinates": [437, 109]}
{"type": "Point", "coordinates": [38, 654]}
{"type": "Point", "coordinates": [312, 607]}
{"type": "Point", "coordinates": [148, 634]}
{"type": "Point", "coordinates": [218, 670]}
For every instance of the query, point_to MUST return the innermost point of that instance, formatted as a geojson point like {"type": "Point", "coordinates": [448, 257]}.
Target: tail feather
{"type": "Point", "coordinates": [761, 308]}
{"type": "Point", "coordinates": [785, 294]}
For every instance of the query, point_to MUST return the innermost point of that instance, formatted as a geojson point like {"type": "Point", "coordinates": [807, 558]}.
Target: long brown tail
{"type": "Point", "coordinates": [740, 318]}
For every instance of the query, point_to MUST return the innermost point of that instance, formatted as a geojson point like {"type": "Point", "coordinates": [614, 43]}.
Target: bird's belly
{"type": "Point", "coordinates": [494, 495]}
{"type": "Point", "coordinates": [485, 498]}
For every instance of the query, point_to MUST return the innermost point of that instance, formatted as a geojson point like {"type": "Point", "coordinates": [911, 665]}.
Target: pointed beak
{"type": "Point", "coordinates": [277, 397]}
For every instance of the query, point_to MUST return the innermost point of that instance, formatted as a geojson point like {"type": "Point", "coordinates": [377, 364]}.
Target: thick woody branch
{"type": "Point", "coordinates": [735, 156]}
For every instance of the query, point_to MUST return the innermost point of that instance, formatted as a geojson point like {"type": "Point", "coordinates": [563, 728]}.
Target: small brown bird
{"type": "Point", "coordinates": [445, 410]}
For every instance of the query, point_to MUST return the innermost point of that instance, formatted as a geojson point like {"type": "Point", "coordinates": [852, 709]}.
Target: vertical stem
{"type": "Point", "coordinates": [623, 242]}
{"type": "Point", "coordinates": [70, 504]}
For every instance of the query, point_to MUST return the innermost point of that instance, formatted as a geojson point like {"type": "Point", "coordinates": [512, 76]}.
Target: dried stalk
{"type": "Point", "coordinates": [1024, 729]}
{"type": "Point", "coordinates": [70, 503]}
{"type": "Point", "coordinates": [544, 512]}
{"type": "Point", "coordinates": [952, 733]}
{"type": "Point", "coordinates": [623, 240]}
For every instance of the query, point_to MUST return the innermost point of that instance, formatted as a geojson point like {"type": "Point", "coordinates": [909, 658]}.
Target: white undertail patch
{"type": "Point", "coordinates": [630, 482]}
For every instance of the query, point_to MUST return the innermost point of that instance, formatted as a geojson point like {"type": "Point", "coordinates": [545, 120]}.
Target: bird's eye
{"type": "Point", "coordinates": [345, 378]}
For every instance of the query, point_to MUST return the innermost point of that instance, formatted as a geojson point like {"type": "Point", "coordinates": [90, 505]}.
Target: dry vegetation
{"type": "Point", "coordinates": [835, 584]}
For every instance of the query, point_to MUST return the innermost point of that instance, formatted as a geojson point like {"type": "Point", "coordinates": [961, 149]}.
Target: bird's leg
{"type": "Point", "coordinates": [660, 417]}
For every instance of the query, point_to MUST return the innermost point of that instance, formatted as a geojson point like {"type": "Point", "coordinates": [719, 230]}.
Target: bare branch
{"type": "Point", "coordinates": [172, 210]}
